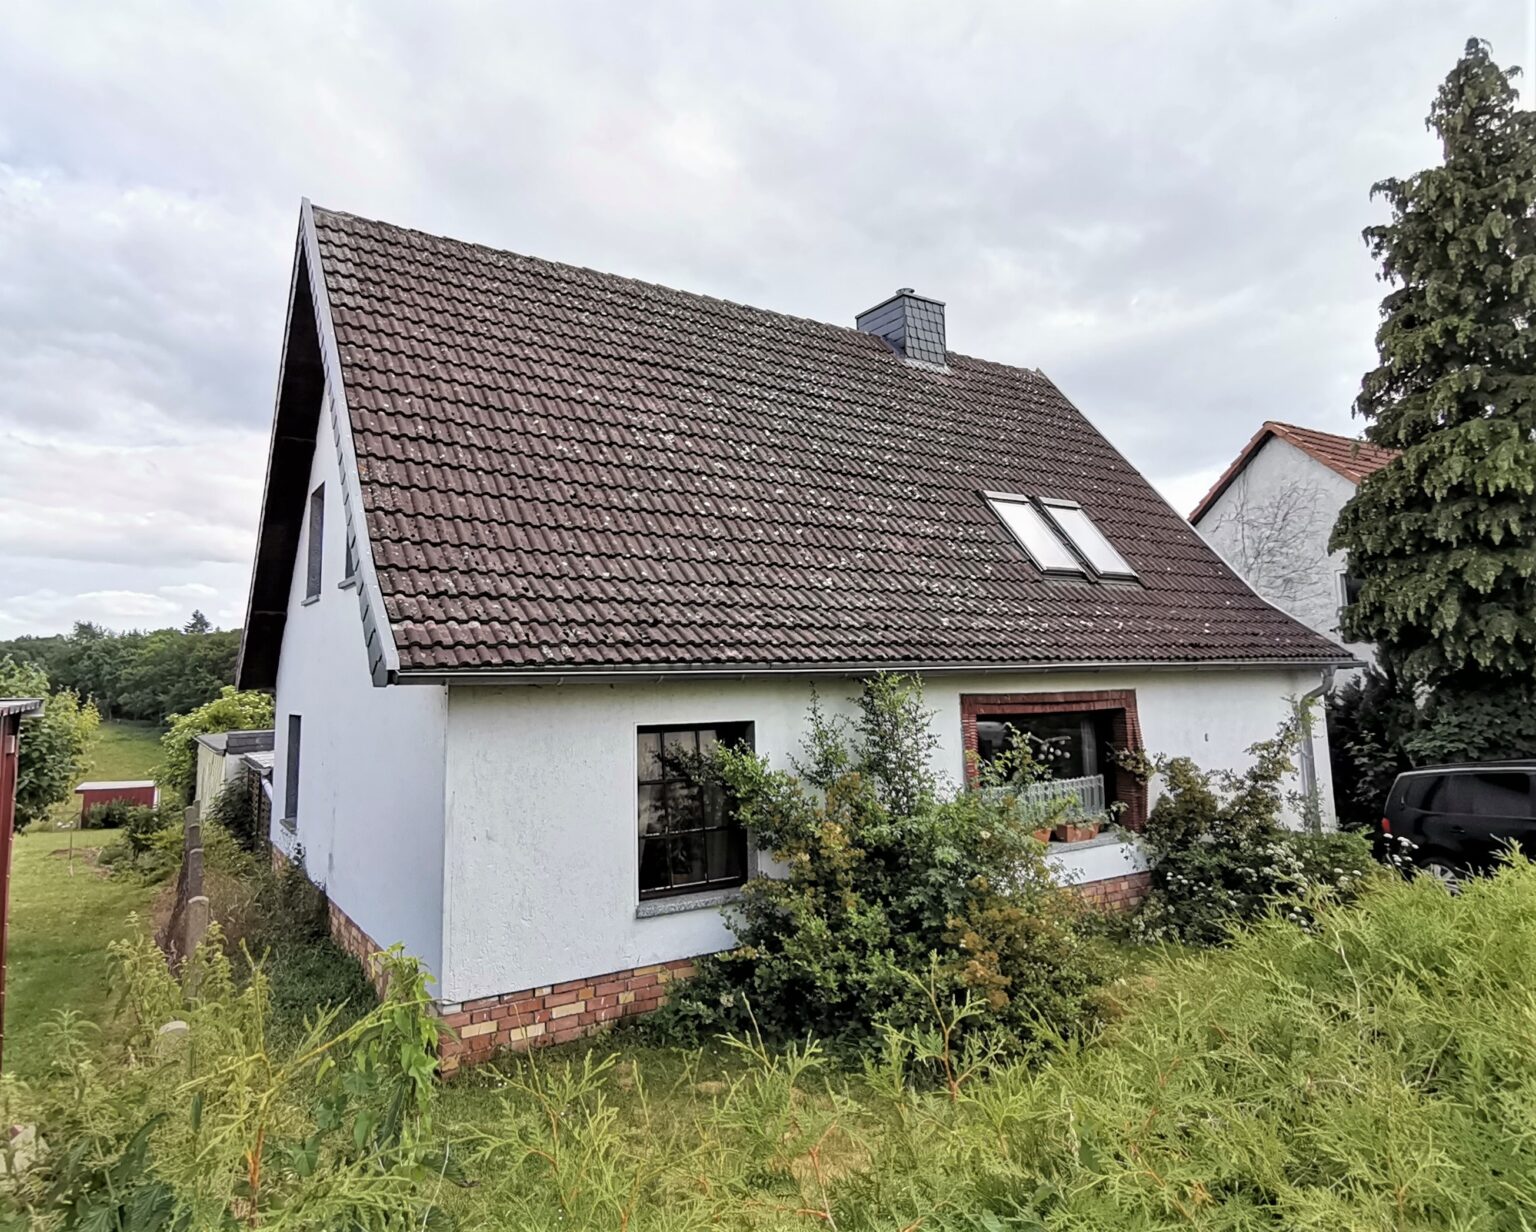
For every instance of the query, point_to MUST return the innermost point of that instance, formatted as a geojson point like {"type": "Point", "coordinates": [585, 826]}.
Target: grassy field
{"type": "Point", "coordinates": [124, 749]}
{"type": "Point", "coordinates": [63, 915]}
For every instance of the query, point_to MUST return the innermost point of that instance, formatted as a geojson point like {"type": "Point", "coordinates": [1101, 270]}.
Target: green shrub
{"type": "Point", "coordinates": [234, 808]}
{"type": "Point", "coordinates": [1221, 857]}
{"type": "Point", "coordinates": [1370, 720]}
{"type": "Point", "coordinates": [279, 921]}
{"type": "Point", "coordinates": [892, 895]}
{"type": "Point", "coordinates": [217, 1123]}
{"type": "Point", "coordinates": [56, 750]}
{"type": "Point", "coordinates": [230, 711]}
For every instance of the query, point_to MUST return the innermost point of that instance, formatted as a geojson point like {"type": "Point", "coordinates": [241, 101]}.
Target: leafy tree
{"type": "Point", "coordinates": [1443, 539]}
{"type": "Point", "coordinates": [198, 623]}
{"type": "Point", "coordinates": [230, 711]}
{"type": "Point", "coordinates": [53, 751]}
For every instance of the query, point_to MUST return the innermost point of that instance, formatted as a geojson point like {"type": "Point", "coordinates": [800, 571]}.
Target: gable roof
{"type": "Point", "coordinates": [1345, 455]}
{"type": "Point", "coordinates": [563, 471]}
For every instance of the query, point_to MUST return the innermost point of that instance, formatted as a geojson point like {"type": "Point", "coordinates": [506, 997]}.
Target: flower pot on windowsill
{"type": "Point", "coordinates": [1077, 831]}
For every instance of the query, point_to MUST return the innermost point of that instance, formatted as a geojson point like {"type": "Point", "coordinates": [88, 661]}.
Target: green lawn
{"type": "Point", "coordinates": [63, 915]}
{"type": "Point", "coordinates": [123, 749]}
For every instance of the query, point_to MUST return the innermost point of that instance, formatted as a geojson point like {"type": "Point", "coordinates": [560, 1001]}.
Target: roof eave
{"type": "Point", "coordinates": [611, 675]}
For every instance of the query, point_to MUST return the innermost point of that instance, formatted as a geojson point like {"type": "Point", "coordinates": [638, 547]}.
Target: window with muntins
{"type": "Point", "coordinates": [316, 544]}
{"type": "Point", "coordinates": [689, 834]}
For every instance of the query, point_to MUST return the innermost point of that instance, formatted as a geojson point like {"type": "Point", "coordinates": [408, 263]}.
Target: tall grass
{"type": "Point", "coordinates": [1375, 1071]}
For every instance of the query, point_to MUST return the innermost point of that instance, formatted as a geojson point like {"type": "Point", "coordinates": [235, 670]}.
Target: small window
{"type": "Point", "coordinates": [690, 836]}
{"type": "Point", "coordinates": [1087, 538]}
{"type": "Point", "coordinates": [316, 546]}
{"type": "Point", "coordinates": [291, 771]}
{"type": "Point", "coordinates": [1035, 534]}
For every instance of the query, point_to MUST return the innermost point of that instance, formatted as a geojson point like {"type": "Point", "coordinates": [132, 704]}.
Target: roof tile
{"type": "Point", "coordinates": [563, 470]}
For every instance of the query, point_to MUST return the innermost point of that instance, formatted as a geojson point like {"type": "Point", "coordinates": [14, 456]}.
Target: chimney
{"type": "Point", "coordinates": [913, 324]}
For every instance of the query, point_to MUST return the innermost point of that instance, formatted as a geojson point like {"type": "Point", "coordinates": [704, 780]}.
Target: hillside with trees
{"type": "Point", "coordinates": [137, 674]}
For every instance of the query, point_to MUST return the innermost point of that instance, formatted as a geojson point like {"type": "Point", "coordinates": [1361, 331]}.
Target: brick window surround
{"type": "Point", "coordinates": [1124, 733]}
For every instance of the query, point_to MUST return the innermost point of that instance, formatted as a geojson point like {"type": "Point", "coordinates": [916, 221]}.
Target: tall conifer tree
{"type": "Point", "coordinates": [1443, 540]}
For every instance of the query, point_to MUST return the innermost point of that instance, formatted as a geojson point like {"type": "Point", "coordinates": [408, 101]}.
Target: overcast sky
{"type": "Point", "coordinates": [1158, 203]}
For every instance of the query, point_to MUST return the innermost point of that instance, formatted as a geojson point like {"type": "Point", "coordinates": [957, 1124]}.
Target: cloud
{"type": "Point", "coordinates": [1158, 204]}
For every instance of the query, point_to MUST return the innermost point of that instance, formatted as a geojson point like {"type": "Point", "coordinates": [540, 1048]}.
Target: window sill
{"type": "Point", "coordinates": [347, 583]}
{"type": "Point", "coordinates": [290, 824]}
{"type": "Point", "coordinates": [308, 599]}
{"type": "Point", "coordinates": [702, 901]}
{"type": "Point", "coordinates": [1098, 840]}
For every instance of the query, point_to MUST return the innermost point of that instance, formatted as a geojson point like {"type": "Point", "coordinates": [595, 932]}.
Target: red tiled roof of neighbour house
{"type": "Point", "coordinates": [1352, 458]}
{"type": "Point", "coordinates": [565, 470]}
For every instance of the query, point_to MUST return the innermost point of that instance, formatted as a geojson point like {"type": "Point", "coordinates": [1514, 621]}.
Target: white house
{"type": "Point", "coordinates": [1271, 514]}
{"type": "Point", "coordinates": [525, 523]}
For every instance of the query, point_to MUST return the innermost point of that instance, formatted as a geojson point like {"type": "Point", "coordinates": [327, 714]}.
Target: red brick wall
{"type": "Point", "coordinates": [1124, 732]}
{"type": "Point", "coordinates": [1117, 893]}
{"type": "Point", "coordinates": [554, 1013]}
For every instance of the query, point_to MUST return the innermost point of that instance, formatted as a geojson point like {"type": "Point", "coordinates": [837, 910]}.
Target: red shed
{"type": "Point", "coordinates": [133, 791]}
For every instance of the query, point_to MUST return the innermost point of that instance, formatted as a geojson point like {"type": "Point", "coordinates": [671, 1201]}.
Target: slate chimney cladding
{"type": "Point", "coordinates": [913, 324]}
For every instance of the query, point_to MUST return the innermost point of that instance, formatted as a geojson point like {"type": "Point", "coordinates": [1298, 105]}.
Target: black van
{"type": "Point", "coordinates": [1455, 820]}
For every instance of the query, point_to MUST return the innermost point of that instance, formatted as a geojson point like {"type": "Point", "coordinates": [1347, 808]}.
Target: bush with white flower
{"type": "Point", "coordinates": [1221, 856]}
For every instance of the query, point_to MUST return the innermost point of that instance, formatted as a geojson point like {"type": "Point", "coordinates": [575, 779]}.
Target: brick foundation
{"type": "Point", "coordinates": [553, 1013]}
{"type": "Point", "coordinates": [1116, 893]}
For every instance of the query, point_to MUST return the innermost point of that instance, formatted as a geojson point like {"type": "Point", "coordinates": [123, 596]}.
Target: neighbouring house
{"type": "Point", "coordinates": [221, 758]}
{"type": "Point", "coordinates": [526, 525]}
{"type": "Point", "coordinates": [129, 791]}
{"type": "Point", "coordinates": [1272, 512]}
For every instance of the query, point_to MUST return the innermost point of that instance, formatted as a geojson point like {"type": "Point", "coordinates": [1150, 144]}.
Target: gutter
{"type": "Point", "coordinates": [1308, 751]}
{"type": "Point", "coordinates": [652, 675]}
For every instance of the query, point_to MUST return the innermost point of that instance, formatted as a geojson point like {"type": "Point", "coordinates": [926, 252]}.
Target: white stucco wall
{"type": "Point", "coordinates": [541, 856]}
{"type": "Point", "coordinates": [370, 815]}
{"type": "Point", "coordinates": [1275, 468]}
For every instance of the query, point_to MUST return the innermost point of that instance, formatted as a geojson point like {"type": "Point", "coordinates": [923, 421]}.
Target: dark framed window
{"type": "Point", "coordinates": [689, 834]}
{"type": "Point", "coordinates": [316, 544]}
{"type": "Point", "coordinates": [291, 770]}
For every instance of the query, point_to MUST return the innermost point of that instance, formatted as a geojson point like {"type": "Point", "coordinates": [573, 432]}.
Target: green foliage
{"type": "Point", "coordinates": [234, 809]}
{"type": "Point", "coordinates": [1443, 539]}
{"type": "Point", "coordinates": [137, 674]}
{"type": "Point", "coordinates": [215, 1124]}
{"type": "Point", "coordinates": [229, 711]}
{"type": "Point", "coordinates": [1369, 720]}
{"type": "Point", "coordinates": [280, 919]}
{"type": "Point", "coordinates": [1220, 856]}
{"type": "Point", "coordinates": [884, 881]}
{"type": "Point", "coordinates": [1371, 1072]}
{"type": "Point", "coordinates": [54, 747]}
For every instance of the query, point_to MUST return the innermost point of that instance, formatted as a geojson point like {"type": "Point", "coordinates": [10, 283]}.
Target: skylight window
{"type": "Point", "coordinates": [1059, 537]}
{"type": "Point", "coordinates": [1035, 534]}
{"type": "Point", "coordinates": [1087, 538]}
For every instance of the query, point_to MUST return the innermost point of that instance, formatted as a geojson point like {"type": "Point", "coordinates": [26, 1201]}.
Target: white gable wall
{"type": "Point", "coordinates": [1279, 466]}
{"type": "Point", "coordinates": [371, 765]}
{"type": "Point", "coordinates": [541, 871]}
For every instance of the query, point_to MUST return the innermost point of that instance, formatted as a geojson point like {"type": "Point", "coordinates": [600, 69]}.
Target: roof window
{"type": "Point", "coordinates": [1059, 537]}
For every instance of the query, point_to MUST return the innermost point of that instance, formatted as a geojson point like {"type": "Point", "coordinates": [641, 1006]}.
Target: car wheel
{"type": "Point", "coordinates": [1446, 874]}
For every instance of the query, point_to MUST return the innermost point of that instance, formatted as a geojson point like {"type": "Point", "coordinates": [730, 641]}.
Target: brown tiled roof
{"type": "Point", "coordinates": [567, 470]}
{"type": "Point", "coordinates": [1352, 458]}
